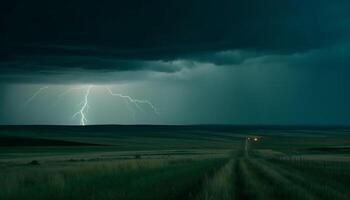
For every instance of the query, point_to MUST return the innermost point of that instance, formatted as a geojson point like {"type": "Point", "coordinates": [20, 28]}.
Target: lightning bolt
{"type": "Point", "coordinates": [70, 90]}
{"type": "Point", "coordinates": [131, 103]}
{"type": "Point", "coordinates": [84, 107]}
{"type": "Point", "coordinates": [136, 102]}
{"type": "Point", "coordinates": [36, 94]}
{"type": "Point", "coordinates": [131, 110]}
{"type": "Point", "coordinates": [64, 93]}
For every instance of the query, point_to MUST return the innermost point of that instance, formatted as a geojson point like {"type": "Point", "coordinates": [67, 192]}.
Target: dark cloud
{"type": "Point", "coordinates": [45, 37]}
{"type": "Point", "coordinates": [227, 57]}
{"type": "Point", "coordinates": [334, 58]}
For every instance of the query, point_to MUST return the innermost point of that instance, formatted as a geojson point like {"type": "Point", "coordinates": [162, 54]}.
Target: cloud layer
{"type": "Point", "coordinates": [66, 37]}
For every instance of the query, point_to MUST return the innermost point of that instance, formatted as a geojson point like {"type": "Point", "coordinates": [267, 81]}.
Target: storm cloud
{"type": "Point", "coordinates": [62, 37]}
{"type": "Point", "coordinates": [197, 61]}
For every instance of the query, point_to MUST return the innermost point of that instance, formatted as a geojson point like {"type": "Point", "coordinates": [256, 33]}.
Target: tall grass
{"type": "Point", "coordinates": [248, 184]}
{"type": "Point", "coordinates": [220, 186]}
{"type": "Point", "coordinates": [327, 178]}
{"type": "Point", "coordinates": [280, 187]}
{"type": "Point", "coordinates": [137, 179]}
{"type": "Point", "coordinates": [305, 180]}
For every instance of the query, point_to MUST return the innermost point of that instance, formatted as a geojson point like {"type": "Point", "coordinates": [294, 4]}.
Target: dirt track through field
{"type": "Point", "coordinates": [258, 178]}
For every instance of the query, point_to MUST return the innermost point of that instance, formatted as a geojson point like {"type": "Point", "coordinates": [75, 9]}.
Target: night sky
{"type": "Point", "coordinates": [239, 62]}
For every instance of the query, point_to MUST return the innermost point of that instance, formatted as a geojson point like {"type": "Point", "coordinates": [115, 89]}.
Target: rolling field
{"type": "Point", "coordinates": [174, 162]}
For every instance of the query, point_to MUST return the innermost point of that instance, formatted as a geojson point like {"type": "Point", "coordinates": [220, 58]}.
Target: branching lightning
{"type": "Point", "coordinates": [69, 90]}
{"type": "Point", "coordinates": [36, 94]}
{"type": "Point", "coordinates": [84, 105]}
{"type": "Point", "coordinates": [136, 102]}
{"type": "Point", "coordinates": [84, 108]}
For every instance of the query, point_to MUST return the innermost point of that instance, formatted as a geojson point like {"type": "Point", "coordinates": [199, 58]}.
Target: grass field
{"type": "Point", "coordinates": [174, 162]}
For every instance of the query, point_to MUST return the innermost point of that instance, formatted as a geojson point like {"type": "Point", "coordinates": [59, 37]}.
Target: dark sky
{"type": "Point", "coordinates": [196, 61]}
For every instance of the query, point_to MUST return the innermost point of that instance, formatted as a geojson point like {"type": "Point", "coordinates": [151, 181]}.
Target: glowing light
{"type": "Point", "coordinates": [36, 94]}
{"type": "Point", "coordinates": [84, 107]}
{"type": "Point", "coordinates": [136, 102]}
{"type": "Point", "coordinates": [64, 93]}
{"type": "Point", "coordinates": [70, 90]}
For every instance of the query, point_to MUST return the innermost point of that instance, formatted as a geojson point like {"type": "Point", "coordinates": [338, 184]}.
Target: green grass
{"type": "Point", "coordinates": [202, 163]}
{"type": "Point", "coordinates": [134, 179]}
{"type": "Point", "coordinates": [219, 186]}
